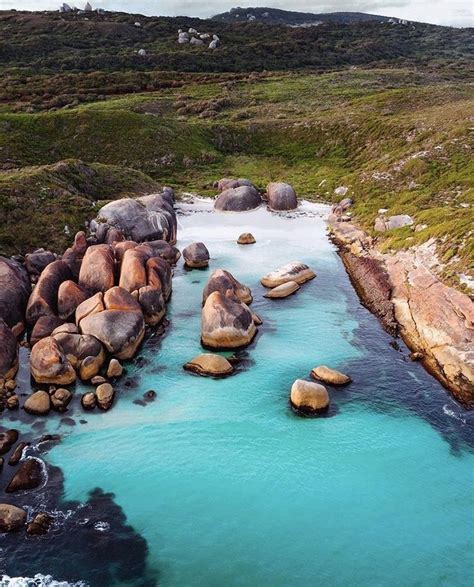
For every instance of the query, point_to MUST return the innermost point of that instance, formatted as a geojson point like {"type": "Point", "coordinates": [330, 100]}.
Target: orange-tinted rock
{"type": "Point", "coordinates": [161, 248]}
{"type": "Point", "coordinates": [90, 306]}
{"type": "Point", "coordinates": [133, 270]}
{"type": "Point", "coordinates": [78, 347]}
{"type": "Point", "coordinates": [159, 275]}
{"type": "Point", "coordinates": [120, 249]}
{"type": "Point", "coordinates": [49, 363]}
{"type": "Point", "coordinates": [44, 327]}
{"type": "Point", "coordinates": [98, 269]}
{"type": "Point", "coordinates": [152, 304]}
{"type": "Point", "coordinates": [118, 298]}
{"type": "Point", "coordinates": [225, 283]}
{"type": "Point", "coordinates": [74, 255]}
{"type": "Point", "coordinates": [44, 298]}
{"type": "Point", "coordinates": [8, 352]}
{"type": "Point", "coordinates": [70, 295]}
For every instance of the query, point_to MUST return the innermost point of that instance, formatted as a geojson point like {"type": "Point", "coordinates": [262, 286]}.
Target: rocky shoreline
{"type": "Point", "coordinates": [402, 290]}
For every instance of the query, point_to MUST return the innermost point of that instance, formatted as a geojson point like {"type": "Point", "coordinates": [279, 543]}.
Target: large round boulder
{"type": "Point", "coordinates": [98, 269]}
{"type": "Point", "coordinates": [29, 476]}
{"type": "Point", "coordinates": [209, 365]}
{"type": "Point", "coordinates": [118, 298]}
{"type": "Point", "coordinates": [8, 352]}
{"type": "Point", "coordinates": [78, 347]}
{"type": "Point", "coordinates": [133, 273]}
{"type": "Point", "coordinates": [239, 199]}
{"type": "Point", "coordinates": [294, 271]}
{"type": "Point", "coordinates": [11, 517]}
{"type": "Point", "coordinates": [49, 363]}
{"type": "Point", "coordinates": [224, 282]}
{"type": "Point", "coordinates": [14, 293]}
{"type": "Point", "coordinates": [152, 303]}
{"type": "Point", "coordinates": [196, 256]}
{"type": "Point", "coordinates": [159, 275]}
{"type": "Point", "coordinates": [281, 196]}
{"type": "Point", "coordinates": [44, 298]}
{"type": "Point", "coordinates": [38, 403]}
{"type": "Point", "coordinates": [308, 397]}
{"type": "Point", "coordinates": [226, 323]}
{"type": "Point", "coordinates": [104, 395]}
{"type": "Point", "coordinates": [328, 375]}
{"type": "Point", "coordinates": [121, 333]}
{"type": "Point", "coordinates": [70, 296]}
{"type": "Point", "coordinates": [91, 306]}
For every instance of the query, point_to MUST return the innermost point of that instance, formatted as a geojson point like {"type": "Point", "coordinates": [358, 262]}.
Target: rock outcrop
{"type": "Point", "coordinates": [70, 296]}
{"type": "Point", "coordinates": [308, 397]}
{"type": "Point", "coordinates": [49, 364]}
{"type": "Point", "coordinates": [196, 256]}
{"type": "Point", "coordinates": [43, 300]}
{"type": "Point", "coordinates": [294, 271]}
{"type": "Point", "coordinates": [225, 283]}
{"type": "Point", "coordinates": [226, 323]}
{"type": "Point", "coordinates": [382, 224]}
{"type": "Point", "coordinates": [246, 238]}
{"type": "Point", "coordinates": [209, 365]}
{"type": "Point", "coordinates": [240, 199]}
{"type": "Point", "coordinates": [8, 352]}
{"type": "Point", "coordinates": [11, 517]}
{"type": "Point", "coordinates": [29, 476]}
{"type": "Point", "coordinates": [328, 375]}
{"type": "Point", "coordinates": [38, 403]}
{"type": "Point", "coordinates": [98, 269]}
{"type": "Point", "coordinates": [281, 196]}
{"type": "Point", "coordinates": [14, 293]}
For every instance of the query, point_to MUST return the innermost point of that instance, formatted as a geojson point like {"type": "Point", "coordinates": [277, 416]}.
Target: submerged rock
{"type": "Point", "coordinates": [40, 524]}
{"type": "Point", "coordinates": [283, 291]}
{"type": "Point", "coordinates": [210, 365]}
{"type": "Point", "coordinates": [196, 256]}
{"type": "Point", "coordinates": [29, 476]}
{"type": "Point", "coordinates": [281, 196]}
{"type": "Point", "coordinates": [224, 282]}
{"type": "Point", "coordinates": [328, 375]}
{"type": "Point", "coordinates": [49, 364]}
{"type": "Point", "coordinates": [11, 517]}
{"type": "Point", "coordinates": [246, 238]}
{"type": "Point", "coordinates": [7, 440]}
{"type": "Point", "coordinates": [38, 403]}
{"type": "Point", "coordinates": [294, 271]}
{"type": "Point", "coordinates": [226, 323]}
{"type": "Point", "coordinates": [240, 199]}
{"type": "Point", "coordinates": [308, 397]}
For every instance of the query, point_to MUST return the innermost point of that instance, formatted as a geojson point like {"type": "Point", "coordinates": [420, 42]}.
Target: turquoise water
{"type": "Point", "coordinates": [229, 487]}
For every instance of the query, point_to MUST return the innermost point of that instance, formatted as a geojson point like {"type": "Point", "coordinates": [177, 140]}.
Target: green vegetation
{"type": "Point", "coordinates": [398, 137]}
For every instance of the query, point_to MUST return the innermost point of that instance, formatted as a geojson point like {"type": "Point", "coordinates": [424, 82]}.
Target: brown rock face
{"type": "Point", "coordinates": [246, 238]}
{"type": "Point", "coordinates": [8, 352]}
{"type": "Point", "coordinates": [225, 283]}
{"type": "Point", "coordinates": [114, 369]}
{"type": "Point", "coordinates": [162, 249]}
{"type": "Point", "coordinates": [226, 323]}
{"type": "Point", "coordinates": [239, 199]}
{"type": "Point", "coordinates": [104, 396]}
{"type": "Point", "coordinates": [281, 196]}
{"type": "Point", "coordinates": [152, 304]}
{"type": "Point", "coordinates": [38, 403]}
{"type": "Point", "coordinates": [77, 347]}
{"type": "Point", "coordinates": [159, 275]}
{"type": "Point", "coordinates": [11, 517]}
{"type": "Point", "coordinates": [70, 296]}
{"type": "Point", "coordinates": [7, 440]}
{"type": "Point", "coordinates": [283, 291]}
{"type": "Point", "coordinates": [133, 272]}
{"type": "Point", "coordinates": [29, 476]}
{"type": "Point", "coordinates": [294, 271]}
{"type": "Point", "coordinates": [39, 525]}
{"type": "Point", "coordinates": [74, 255]}
{"type": "Point", "coordinates": [89, 401]}
{"type": "Point", "coordinates": [119, 298]}
{"type": "Point", "coordinates": [90, 306]}
{"type": "Point", "coordinates": [209, 365]}
{"type": "Point", "coordinates": [44, 298]}
{"type": "Point", "coordinates": [323, 373]}
{"type": "Point", "coordinates": [308, 397]}
{"type": "Point", "coordinates": [14, 293]}
{"type": "Point", "coordinates": [121, 333]}
{"type": "Point", "coordinates": [196, 256]}
{"type": "Point", "coordinates": [60, 399]}
{"type": "Point", "coordinates": [44, 327]}
{"type": "Point", "coordinates": [49, 363]}
{"type": "Point", "coordinates": [98, 269]}
{"type": "Point", "coordinates": [121, 248]}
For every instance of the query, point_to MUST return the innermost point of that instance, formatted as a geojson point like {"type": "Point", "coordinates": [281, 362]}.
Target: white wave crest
{"type": "Point", "coordinates": [38, 580]}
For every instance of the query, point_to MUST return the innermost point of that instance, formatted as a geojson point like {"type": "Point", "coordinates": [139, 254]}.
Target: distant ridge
{"type": "Point", "coordinates": [290, 18]}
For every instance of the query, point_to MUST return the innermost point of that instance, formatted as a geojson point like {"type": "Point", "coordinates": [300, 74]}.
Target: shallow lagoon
{"type": "Point", "coordinates": [229, 487]}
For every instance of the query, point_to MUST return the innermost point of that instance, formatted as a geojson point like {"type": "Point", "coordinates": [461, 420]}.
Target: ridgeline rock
{"type": "Point", "coordinates": [143, 219]}
{"type": "Point", "coordinates": [246, 238]}
{"type": "Point", "coordinates": [14, 293]}
{"type": "Point", "coordinates": [29, 476]}
{"type": "Point", "coordinates": [209, 365]}
{"type": "Point", "coordinates": [11, 517]}
{"type": "Point", "coordinates": [308, 397]}
{"type": "Point", "coordinates": [38, 403]}
{"type": "Point", "coordinates": [239, 199]}
{"type": "Point", "coordinates": [98, 269]}
{"type": "Point", "coordinates": [328, 375]}
{"type": "Point", "coordinates": [294, 271]}
{"type": "Point", "coordinates": [225, 283]}
{"type": "Point", "coordinates": [120, 332]}
{"type": "Point", "coordinates": [226, 323]}
{"type": "Point", "coordinates": [49, 364]}
{"type": "Point", "coordinates": [196, 256]}
{"type": "Point", "coordinates": [44, 298]}
{"type": "Point", "coordinates": [8, 352]}
{"type": "Point", "coordinates": [283, 291]}
{"type": "Point", "coordinates": [70, 296]}
{"type": "Point", "coordinates": [281, 196]}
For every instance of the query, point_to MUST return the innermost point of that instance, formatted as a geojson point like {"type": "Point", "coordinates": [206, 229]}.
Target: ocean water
{"type": "Point", "coordinates": [225, 485]}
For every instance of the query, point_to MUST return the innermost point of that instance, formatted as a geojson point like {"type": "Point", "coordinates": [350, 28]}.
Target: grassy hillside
{"type": "Point", "coordinates": [292, 18]}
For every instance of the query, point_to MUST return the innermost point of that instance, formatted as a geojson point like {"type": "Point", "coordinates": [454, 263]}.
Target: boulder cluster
{"type": "Point", "coordinates": [88, 310]}
{"type": "Point", "coordinates": [287, 279]}
{"type": "Point", "coordinates": [193, 37]}
{"type": "Point", "coordinates": [241, 195]}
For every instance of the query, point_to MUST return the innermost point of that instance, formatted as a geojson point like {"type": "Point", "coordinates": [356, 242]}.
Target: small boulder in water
{"type": "Point", "coordinates": [281, 196]}
{"type": "Point", "coordinates": [308, 397]}
{"type": "Point", "coordinates": [38, 403]}
{"type": "Point", "coordinates": [89, 401]}
{"type": "Point", "coordinates": [39, 525]}
{"type": "Point", "coordinates": [28, 476]}
{"type": "Point", "coordinates": [114, 369]}
{"type": "Point", "coordinates": [323, 373]}
{"type": "Point", "coordinates": [246, 238]}
{"type": "Point", "coordinates": [104, 396]}
{"type": "Point", "coordinates": [11, 517]}
{"type": "Point", "coordinates": [196, 256]}
{"type": "Point", "coordinates": [283, 291]}
{"type": "Point", "coordinates": [209, 365]}
{"type": "Point", "coordinates": [294, 271]}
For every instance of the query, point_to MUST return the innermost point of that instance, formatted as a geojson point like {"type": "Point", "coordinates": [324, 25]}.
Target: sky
{"type": "Point", "coordinates": [446, 12]}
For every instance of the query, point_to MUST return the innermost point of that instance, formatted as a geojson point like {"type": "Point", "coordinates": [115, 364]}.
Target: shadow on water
{"type": "Point", "coordinates": [92, 541]}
